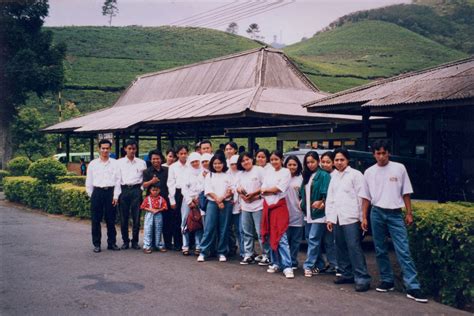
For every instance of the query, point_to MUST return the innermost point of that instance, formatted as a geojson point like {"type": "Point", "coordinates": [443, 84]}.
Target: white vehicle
{"type": "Point", "coordinates": [75, 157]}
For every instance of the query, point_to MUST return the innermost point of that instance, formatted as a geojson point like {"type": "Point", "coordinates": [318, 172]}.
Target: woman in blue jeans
{"type": "Point", "coordinates": [218, 190]}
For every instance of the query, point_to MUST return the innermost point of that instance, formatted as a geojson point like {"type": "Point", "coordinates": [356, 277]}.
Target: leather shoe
{"type": "Point", "coordinates": [341, 280]}
{"type": "Point", "coordinates": [96, 249]}
{"type": "Point", "coordinates": [136, 246]}
{"type": "Point", "coordinates": [362, 287]}
{"type": "Point", "coordinates": [113, 247]}
{"type": "Point", "coordinates": [125, 246]}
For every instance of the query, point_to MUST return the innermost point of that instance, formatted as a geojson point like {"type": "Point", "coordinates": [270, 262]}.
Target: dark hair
{"type": "Point", "coordinates": [233, 145]}
{"type": "Point", "coordinates": [306, 172]}
{"type": "Point", "coordinates": [105, 141]}
{"type": "Point", "coordinates": [342, 151]}
{"type": "Point", "coordinates": [206, 141]}
{"type": "Point", "coordinates": [329, 154]}
{"type": "Point", "coordinates": [130, 142]}
{"type": "Point", "coordinates": [171, 150]}
{"type": "Point", "coordinates": [157, 153]}
{"type": "Point", "coordinates": [277, 153]}
{"type": "Point", "coordinates": [219, 152]}
{"type": "Point", "coordinates": [154, 185]}
{"type": "Point", "coordinates": [241, 149]}
{"type": "Point", "coordinates": [221, 158]}
{"type": "Point", "coordinates": [221, 147]}
{"type": "Point", "coordinates": [265, 152]}
{"type": "Point", "coordinates": [379, 144]}
{"type": "Point", "coordinates": [180, 147]}
{"type": "Point", "coordinates": [299, 167]}
{"type": "Point", "coordinates": [241, 157]}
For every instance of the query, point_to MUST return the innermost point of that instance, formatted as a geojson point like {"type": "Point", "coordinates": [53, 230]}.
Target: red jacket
{"type": "Point", "coordinates": [275, 220]}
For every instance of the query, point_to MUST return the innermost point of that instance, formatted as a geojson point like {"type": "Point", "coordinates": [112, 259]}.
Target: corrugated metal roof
{"type": "Point", "coordinates": [451, 81]}
{"type": "Point", "coordinates": [262, 81]}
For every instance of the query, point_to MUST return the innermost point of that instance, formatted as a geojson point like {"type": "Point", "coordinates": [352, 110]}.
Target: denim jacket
{"type": "Point", "coordinates": [319, 190]}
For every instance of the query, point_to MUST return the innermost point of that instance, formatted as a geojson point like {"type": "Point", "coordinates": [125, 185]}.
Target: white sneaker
{"type": "Point", "coordinates": [222, 258]}
{"type": "Point", "coordinates": [264, 262]}
{"type": "Point", "coordinates": [273, 269]}
{"type": "Point", "coordinates": [258, 258]}
{"type": "Point", "coordinates": [201, 258]}
{"type": "Point", "coordinates": [288, 272]}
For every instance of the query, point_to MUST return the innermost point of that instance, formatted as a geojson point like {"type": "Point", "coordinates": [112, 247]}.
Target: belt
{"type": "Point", "coordinates": [131, 186]}
{"type": "Point", "coordinates": [388, 209]}
{"type": "Point", "coordinates": [103, 188]}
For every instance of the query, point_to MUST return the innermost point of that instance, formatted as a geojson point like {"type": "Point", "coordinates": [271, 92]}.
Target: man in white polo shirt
{"type": "Point", "coordinates": [388, 189]}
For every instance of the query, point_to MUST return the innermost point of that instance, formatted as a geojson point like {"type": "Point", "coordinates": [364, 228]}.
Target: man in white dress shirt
{"type": "Point", "coordinates": [103, 187]}
{"type": "Point", "coordinates": [131, 180]}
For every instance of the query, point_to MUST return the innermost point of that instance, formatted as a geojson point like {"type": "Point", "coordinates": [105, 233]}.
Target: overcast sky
{"type": "Point", "coordinates": [289, 20]}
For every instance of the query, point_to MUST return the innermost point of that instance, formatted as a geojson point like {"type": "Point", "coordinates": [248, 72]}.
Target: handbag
{"type": "Point", "coordinates": [194, 220]}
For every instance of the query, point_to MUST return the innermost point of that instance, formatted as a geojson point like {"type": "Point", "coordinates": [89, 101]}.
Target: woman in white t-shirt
{"type": "Point", "coordinates": [251, 204]}
{"type": "Point", "coordinates": [218, 190]}
{"type": "Point", "coordinates": [295, 226]}
{"type": "Point", "coordinates": [262, 159]}
{"type": "Point", "coordinates": [276, 215]}
{"type": "Point", "coordinates": [191, 189]}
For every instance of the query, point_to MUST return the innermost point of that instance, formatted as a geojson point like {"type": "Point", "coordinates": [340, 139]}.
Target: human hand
{"type": "Point", "coordinates": [409, 219]}
{"type": "Point", "coordinates": [329, 226]}
{"type": "Point", "coordinates": [173, 206]}
{"type": "Point", "coordinates": [364, 225]}
{"type": "Point", "coordinates": [115, 202]}
{"type": "Point", "coordinates": [317, 204]}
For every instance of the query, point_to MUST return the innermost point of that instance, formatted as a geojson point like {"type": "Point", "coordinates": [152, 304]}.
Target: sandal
{"type": "Point", "coordinates": [197, 252]}
{"type": "Point", "coordinates": [185, 252]}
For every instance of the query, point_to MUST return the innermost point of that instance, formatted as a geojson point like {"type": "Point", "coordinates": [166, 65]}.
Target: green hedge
{"type": "Point", "coordinates": [47, 170]}
{"type": "Point", "coordinates": [75, 179]}
{"type": "Point", "coordinates": [442, 245]}
{"type": "Point", "coordinates": [3, 174]}
{"type": "Point", "coordinates": [18, 166]}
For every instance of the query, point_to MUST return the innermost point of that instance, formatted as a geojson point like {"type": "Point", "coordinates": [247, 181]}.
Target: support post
{"type": "Point", "coordinates": [395, 135]}
{"type": "Point", "coordinates": [279, 145]}
{"type": "Point", "coordinates": [68, 148]}
{"type": "Point", "coordinates": [171, 139]}
{"type": "Point", "coordinates": [365, 128]}
{"type": "Point", "coordinates": [251, 144]}
{"type": "Point", "coordinates": [158, 140]}
{"type": "Point", "coordinates": [137, 139]}
{"type": "Point", "coordinates": [91, 148]}
{"type": "Point", "coordinates": [117, 145]}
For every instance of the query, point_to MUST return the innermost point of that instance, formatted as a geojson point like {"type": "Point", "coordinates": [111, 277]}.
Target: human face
{"type": "Point", "coordinates": [229, 151]}
{"type": "Point", "coordinates": [311, 163]}
{"type": "Point", "coordinates": [340, 162]}
{"type": "Point", "coordinates": [218, 165]}
{"type": "Point", "coordinates": [233, 167]}
{"type": "Point", "coordinates": [104, 151]}
{"type": "Point", "coordinates": [327, 164]}
{"type": "Point", "coordinates": [195, 164]}
{"type": "Point", "coordinates": [292, 166]}
{"type": "Point", "coordinates": [156, 161]}
{"type": "Point", "coordinates": [205, 164]}
{"type": "Point", "coordinates": [206, 149]}
{"type": "Point", "coordinates": [382, 156]}
{"type": "Point", "coordinates": [276, 162]}
{"type": "Point", "coordinates": [131, 150]}
{"type": "Point", "coordinates": [182, 155]}
{"type": "Point", "coordinates": [170, 158]}
{"type": "Point", "coordinates": [154, 192]}
{"type": "Point", "coordinates": [247, 163]}
{"type": "Point", "coordinates": [261, 159]}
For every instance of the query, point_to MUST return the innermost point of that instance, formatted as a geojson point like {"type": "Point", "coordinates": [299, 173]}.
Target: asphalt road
{"type": "Point", "coordinates": [48, 268]}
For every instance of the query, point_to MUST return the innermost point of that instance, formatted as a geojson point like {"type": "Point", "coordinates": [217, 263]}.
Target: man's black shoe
{"type": "Point", "coordinates": [341, 280]}
{"type": "Point", "coordinates": [113, 247]}
{"type": "Point", "coordinates": [97, 249]}
{"type": "Point", "coordinates": [385, 287]}
{"type": "Point", "coordinates": [136, 246]}
{"type": "Point", "coordinates": [125, 246]}
{"type": "Point", "coordinates": [362, 287]}
{"type": "Point", "coordinates": [417, 296]}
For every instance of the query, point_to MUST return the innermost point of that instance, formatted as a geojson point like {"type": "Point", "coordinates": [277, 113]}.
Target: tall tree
{"type": "Point", "coordinates": [253, 31]}
{"type": "Point", "coordinates": [233, 28]}
{"type": "Point", "coordinates": [29, 61]}
{"type": "Point", "coordinates": [110, 9]}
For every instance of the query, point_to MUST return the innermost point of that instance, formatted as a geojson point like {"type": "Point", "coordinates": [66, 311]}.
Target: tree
{"type": "Point", "coordinates": [110, 9]}
{"type": "Point", "coordinates": [27, 137]}
{"type": "Point", "coordinates": [29, 62]}
{"type": "Point", "coordinates": [253, 31]}
{"type": "Point", "coordinates": [233, 28]}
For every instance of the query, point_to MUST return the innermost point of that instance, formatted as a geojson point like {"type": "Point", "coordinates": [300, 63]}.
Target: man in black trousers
{"type": "Point", "coordinates": [103, 187]}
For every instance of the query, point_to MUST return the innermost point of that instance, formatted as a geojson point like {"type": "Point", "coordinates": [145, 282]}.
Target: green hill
{"type": "Point", "coordinates": [357, 53]}
{"type": "Point", "coordinates": [102, 61]}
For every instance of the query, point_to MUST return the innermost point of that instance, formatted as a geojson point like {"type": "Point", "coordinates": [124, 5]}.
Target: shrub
{"type": "Point", "coordinates": [18, 166]}
{"type": "Point", "coordinates": [17, 188]}
{"type": "Point", "coordinates": [75, 179]}
{"type": "Point", "coordinates": [69, 199]}
{"type": "Point", "coordinates": [47, 170]}
{"type": "Point", "coordinates": [442, 244]}
{"type": "Point", "coordinates": [3, 174]}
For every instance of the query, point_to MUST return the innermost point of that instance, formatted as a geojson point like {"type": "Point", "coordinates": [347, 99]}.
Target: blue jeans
{"type": "Point", "coordinates": [281, 257]}
{"type": "Point", "coordinates": [315, 237]}
{"type": "Point", "coordinates": [238, 233]}
{"type": "Point", "coordinates": [295, 235]}
{"type": "Point", "coordinates": [392, 221]}
{"type": "Point", "coordinates": [350, 257]}
{"type": "Point", "coordinates": [330, 246]}
{"type": "Point", "coordinates": [249, 222]}
{"type": "Point", "coordinates": [217, 220]}
{"type": "Point", "coordinates": [197, 234]}
{"type": "Point", "coordinates": [153, 227]}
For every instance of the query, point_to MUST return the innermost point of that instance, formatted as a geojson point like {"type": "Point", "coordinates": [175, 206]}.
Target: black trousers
{"type": "Point", "coordinates": [172, 223]}
{"type": "Point", "coordinates": [129, 204]}
{"type": "Point", "coordinates": [101, 207]}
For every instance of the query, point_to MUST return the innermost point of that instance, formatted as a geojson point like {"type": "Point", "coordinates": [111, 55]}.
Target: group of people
{"type": "Point", "coordinates": [215, 204]}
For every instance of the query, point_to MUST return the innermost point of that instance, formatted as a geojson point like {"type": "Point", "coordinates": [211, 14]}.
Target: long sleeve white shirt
{"type": "Point", "coordinates": [131, 171]}
{"type": "Point", "coordinates": [343, 201]}
{"type": "Point", "coordinates": [193, 185]}
{"type": "Point", "coordinates": [103, 174]}
{"type": "Point", "coordinates": [176, 179]}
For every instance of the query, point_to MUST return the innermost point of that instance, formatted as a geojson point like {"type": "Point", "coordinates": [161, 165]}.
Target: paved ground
{"type": "Point", "coordinates": [48, 268]}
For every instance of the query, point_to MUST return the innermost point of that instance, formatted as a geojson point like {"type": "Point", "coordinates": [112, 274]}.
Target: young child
{"type": "Point", "coordinates": [154, 204]}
